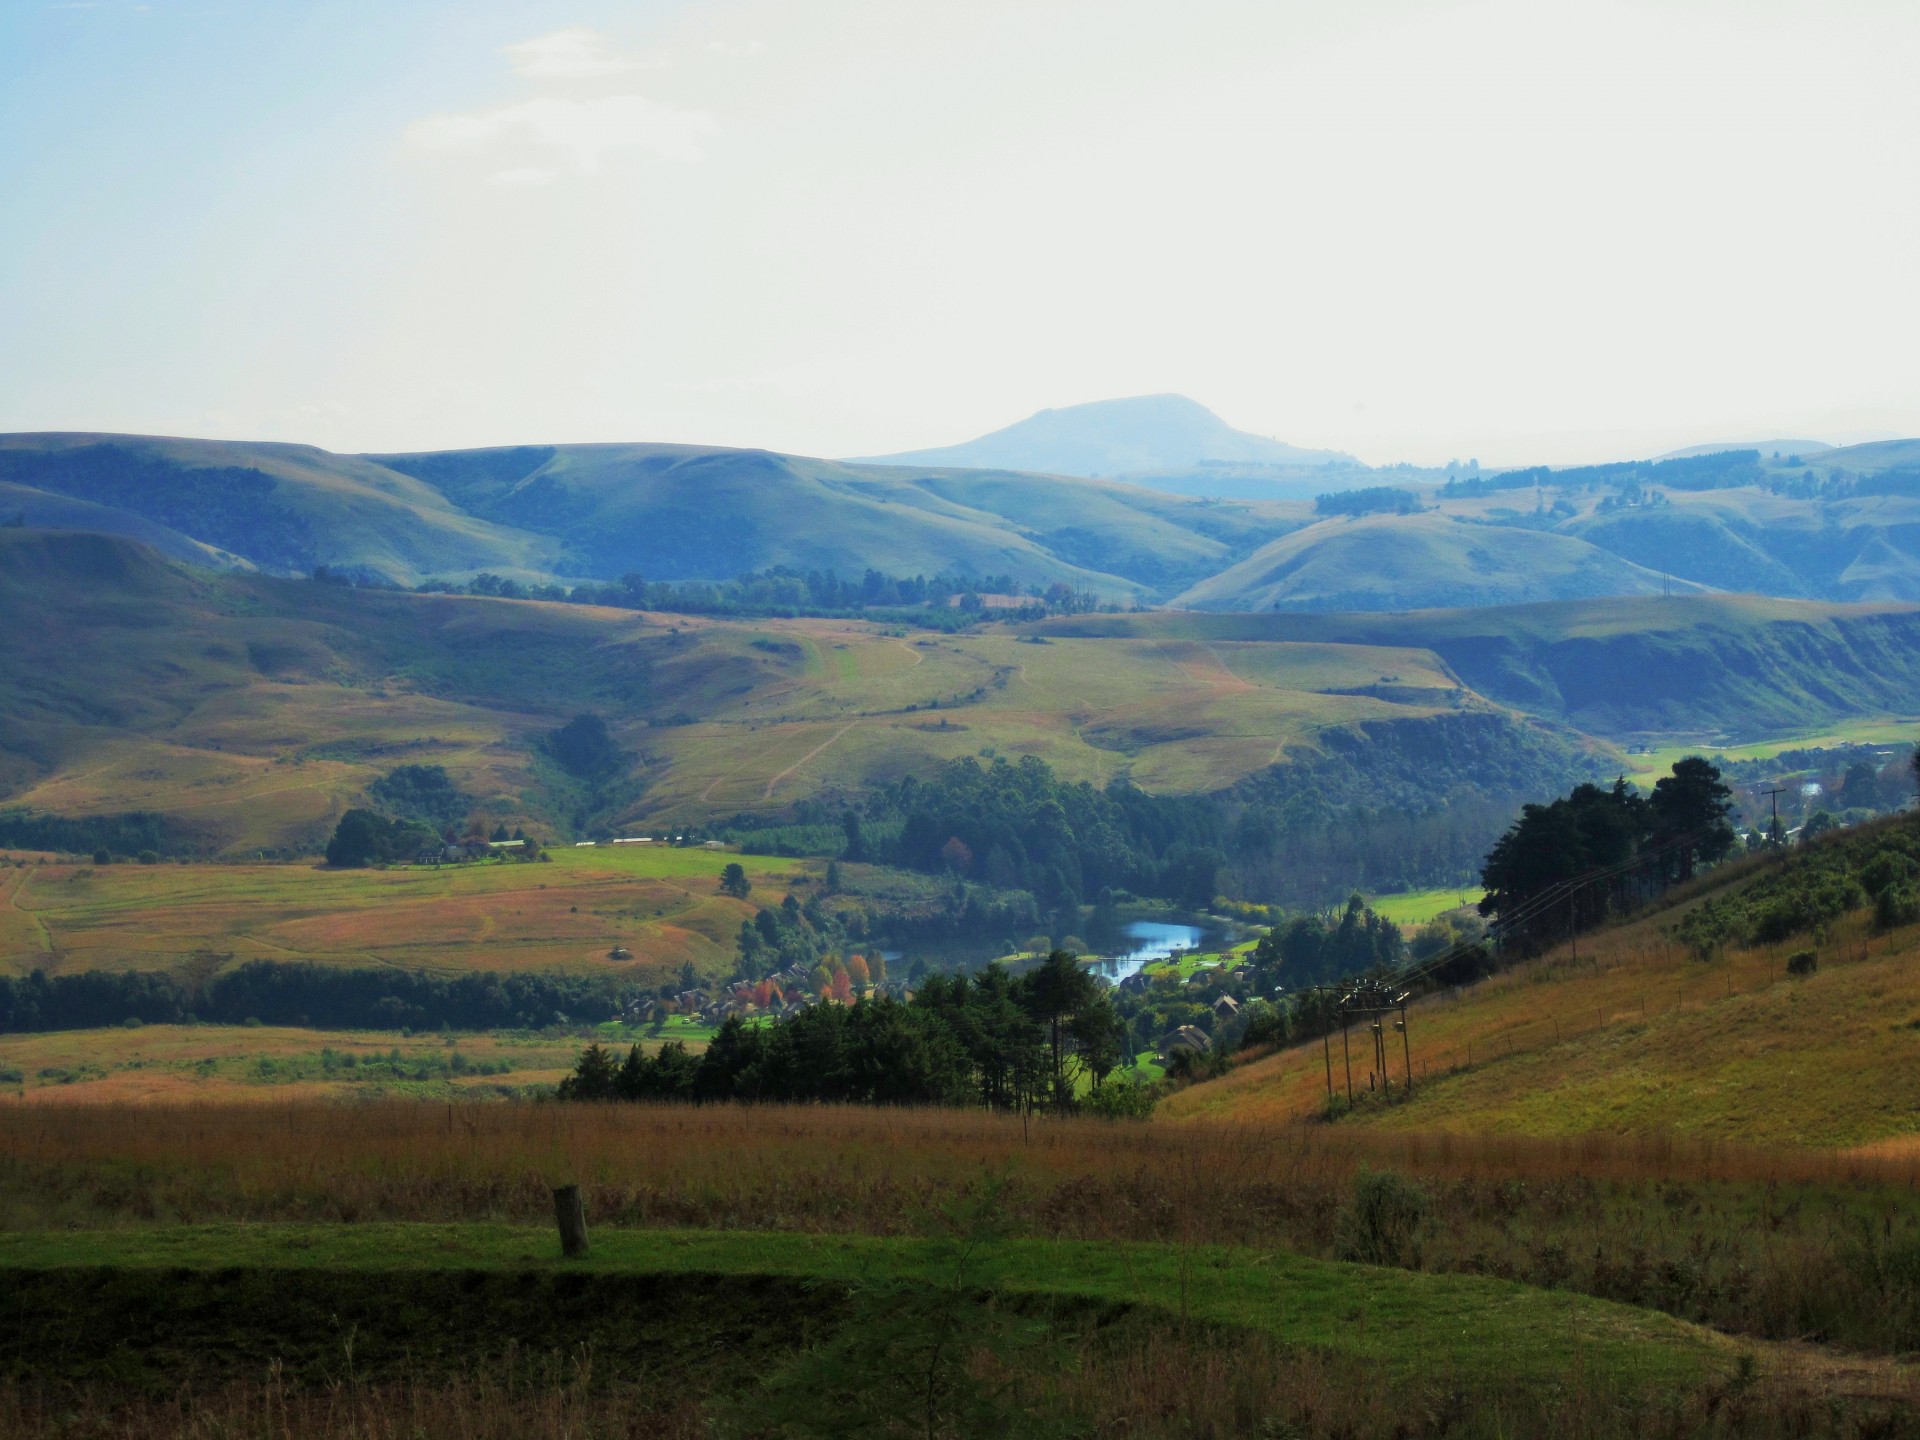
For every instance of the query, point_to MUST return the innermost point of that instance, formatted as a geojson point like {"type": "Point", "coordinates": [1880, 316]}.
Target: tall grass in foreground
{"type": "Point", "coordinates": [1165, 1388]}
{"type": "Point", "coordinates": [1780, 1244]}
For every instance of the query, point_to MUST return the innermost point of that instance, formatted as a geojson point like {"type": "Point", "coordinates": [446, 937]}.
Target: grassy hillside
{"type": "Point", "coordinates": [257, 709]}
{"type": "Point", "coordinates": [1840, 525]}
{"type": "Point", "coordinates": [284, 508]}
{"type": "Point", "coordinates": [678, 512]}
{"type": "Point", "coordinates": [1630, 1032]}
{"type": "Point", "coordinates": [1412, 562]}
{"type": "Point", "coordinates": [254, 710]}
{"type": "Point", "coordinates": [1696, 668]}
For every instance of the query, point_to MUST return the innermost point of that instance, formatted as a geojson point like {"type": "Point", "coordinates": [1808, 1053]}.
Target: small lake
{"type": "Point", "coordinates": [1150, 941]}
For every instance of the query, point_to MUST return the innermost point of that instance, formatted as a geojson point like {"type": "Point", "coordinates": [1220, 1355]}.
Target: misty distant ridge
{"type": "Point", "coordinates": [1162, 440]}
{"type": "Point", "coordinates": [1140, 435]}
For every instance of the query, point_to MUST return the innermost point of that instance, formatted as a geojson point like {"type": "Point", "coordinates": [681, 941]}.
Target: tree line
{"type": "Point", "coordinates": [1049, 1039]}
{"type": "Point", "coordinates": [944, 600]}
{"type": "Point", "coordinates": [273, 992]}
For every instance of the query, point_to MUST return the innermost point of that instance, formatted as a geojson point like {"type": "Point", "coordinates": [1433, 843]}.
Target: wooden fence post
{"type": "Point", "coordinates": [570, 1214]}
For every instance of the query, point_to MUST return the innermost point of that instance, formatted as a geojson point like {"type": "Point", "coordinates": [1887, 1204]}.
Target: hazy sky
{"type": "Point", "coordinates": [1516, 231]}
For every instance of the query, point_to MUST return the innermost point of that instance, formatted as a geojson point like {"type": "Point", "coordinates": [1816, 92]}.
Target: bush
{"type": "Point", "coordinates": [1382, 1224]}
{"type": "Point", "coordinates": [1802, 962]}
{"type": "Point", "coordinates": [1888, 870]}
{"type": "Point", "coordinates": [1897, 905]}
{"type": "Point", "coordinates": [1121, 1100]}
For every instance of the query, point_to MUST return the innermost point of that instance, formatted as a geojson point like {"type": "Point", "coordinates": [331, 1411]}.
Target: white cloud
{"type": "Point", "coordinates": [569, 136]}
{"type": "Point", "coordinates": [575, 53]}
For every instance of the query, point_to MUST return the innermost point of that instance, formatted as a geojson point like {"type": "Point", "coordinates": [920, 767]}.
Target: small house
{"type": "Point", "coordinates": [1188, 1039]}
{"type": "Point", "coordinates": [1225, 1008]}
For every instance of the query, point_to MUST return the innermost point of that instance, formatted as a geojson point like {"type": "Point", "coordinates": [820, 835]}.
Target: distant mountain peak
{"type": "Point", "coordinates": [1137, 435]}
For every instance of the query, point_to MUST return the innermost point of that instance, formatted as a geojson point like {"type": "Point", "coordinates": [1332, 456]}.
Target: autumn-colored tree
{"type": "Point", "coordinates": [842, 988]}
{"type": "Point", "coordinates": [956, 856]}
{"type": "Point", "coordinates": [857, 972]}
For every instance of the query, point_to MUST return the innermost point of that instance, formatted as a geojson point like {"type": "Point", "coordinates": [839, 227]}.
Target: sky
{"type": "Point", "coordinates": [1410, 230]}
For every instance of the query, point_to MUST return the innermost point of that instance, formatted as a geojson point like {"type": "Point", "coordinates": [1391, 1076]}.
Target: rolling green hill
{"type": "Point", "coordinates": [1697, 666]}
{"type": "Point", "coordinates": [1411, 562]}
{"type": "Point", "coordinates": [253, 710]}
{"type": "Point", "coordinates": [681, 512]}
{"type": "Point", "coordinates": [283, 508]}
{"type": "Point", "coordinates": [1839, 525]}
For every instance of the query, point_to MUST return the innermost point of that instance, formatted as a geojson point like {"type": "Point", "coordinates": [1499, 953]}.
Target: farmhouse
{"type": "Point", "coordinates": [1187, 1038]}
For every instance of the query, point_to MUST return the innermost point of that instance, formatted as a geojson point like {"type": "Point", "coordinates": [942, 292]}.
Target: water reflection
{"type": "Point", "coordinates": [1151, 940]}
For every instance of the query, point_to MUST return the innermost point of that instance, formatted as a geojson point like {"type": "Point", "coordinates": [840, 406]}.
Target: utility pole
{"type": "Point", "coordinates": [1773, 836]}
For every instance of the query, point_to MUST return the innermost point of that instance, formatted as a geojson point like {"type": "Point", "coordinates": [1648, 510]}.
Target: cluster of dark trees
{"type": "Point", "coordinates": [325, 996]}
{"type": "Point", "coordinates": [1564, 867]}
{"type": "Point", "coordinates": [1372, 500]}
{"type": "Point", "coordinates": [1391, 805]}
{"type": "Point", "coordinates": [421, 792]}
{"type": "Point", "coordinates": [366, 837]}
{"type": "Point", "coordinates": [1019, 826]}
{"type": "Point", "coordinates": [987, 1039]}
{"type": "Point", "coordinates": [134, 833]}
{"type": "Point", "coordinates": [786, 591]}
{"type": "Point", "coordinates": [1314, 949]}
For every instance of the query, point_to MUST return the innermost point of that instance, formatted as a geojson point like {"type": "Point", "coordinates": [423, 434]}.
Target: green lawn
{"type": "Point", "coordinates": [1482, 1331]}
{"type": "Point", "coordinates": [1416, 907]}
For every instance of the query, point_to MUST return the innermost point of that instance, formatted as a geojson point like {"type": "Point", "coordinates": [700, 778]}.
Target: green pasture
{"type": "Point", "coordinates": [1884, 730]}
{"type": "Point", "coordinates": [1416, 907]}
{"type": "Point", "coordinates": [1484, 1332]}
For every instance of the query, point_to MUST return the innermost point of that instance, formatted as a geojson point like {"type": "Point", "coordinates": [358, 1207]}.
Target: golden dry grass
{"type": "Point", "coordinates": [1634, 1036]}
{"type": "Point", "coordinates": [180, 1064]}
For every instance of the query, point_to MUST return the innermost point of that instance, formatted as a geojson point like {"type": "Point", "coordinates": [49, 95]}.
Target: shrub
{"type": "Point", "coordinates": [1888, 870]}
{"type": "Point", "coordinates": [1802, 962]}
{"type": "Point", "coordinates": [1897, 905]}
{"type": "Point", "coordinates": [1382, 1223]}
{"type": "Point", "coordinates": [1121, 1100]}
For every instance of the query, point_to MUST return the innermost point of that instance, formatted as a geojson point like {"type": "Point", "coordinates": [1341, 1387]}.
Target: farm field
{"type": "Point", "coordinates": [1634, 1036]}
{"type": "Point", "coordinates": [151, 1064]}
{"type": "Point", "coordinates": [661, 903]}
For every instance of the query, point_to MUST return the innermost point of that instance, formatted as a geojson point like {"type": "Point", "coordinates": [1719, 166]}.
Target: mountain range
{"type": "Point", "coordinates": [1829, 524]}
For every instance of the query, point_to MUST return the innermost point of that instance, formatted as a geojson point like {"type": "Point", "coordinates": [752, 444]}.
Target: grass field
{"type": "Point", "coordinates": [661, 903]}
{"type": "Point", "coordinates": [1416, 907]}
{"type": "Point", "coordinates": [1235, 1229]}
{"type": "Point", "coordinates": [1648, 766]}
{"type": "Point", "coordinates": [1479, 1331]}
{"type": "Point", "coordinates": [152, 1064]}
